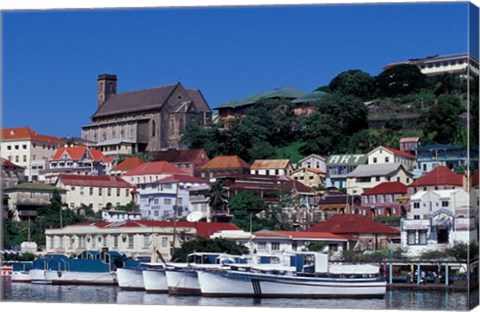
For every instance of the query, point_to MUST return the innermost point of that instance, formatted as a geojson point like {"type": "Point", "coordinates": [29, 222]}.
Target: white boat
{"type": "Point", "coordinates": [182, 278]}
{"type": "Point", "coordinates": [154, 278]}
{"type": "Point", "coordinates": [130, 276]}
{"type": "Point", "coordinates": [308, 275]}
{"type": "Point", "coordinates": [20, 272]}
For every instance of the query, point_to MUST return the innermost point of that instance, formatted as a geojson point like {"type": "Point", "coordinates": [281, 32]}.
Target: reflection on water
{"type": "Point", "coordinates": [395, 299]}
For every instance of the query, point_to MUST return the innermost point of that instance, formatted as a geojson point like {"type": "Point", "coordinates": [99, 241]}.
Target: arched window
{"type": "Point", "coordinates": [154, 128]}
{"type": "Point", "coordinates": [172, 126]}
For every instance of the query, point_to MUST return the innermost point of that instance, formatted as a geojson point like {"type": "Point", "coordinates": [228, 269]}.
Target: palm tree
{"type": "Point", "coordinates": [217, 198]}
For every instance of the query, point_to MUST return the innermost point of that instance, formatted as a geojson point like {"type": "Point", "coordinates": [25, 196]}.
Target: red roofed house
{"type": "Point", "coordinates": [224, 165]}
{"type": "Point", "coordinates": [138, 238]}
{"type": "Point", "coordinates": [151, 171]}
{"type": "Point", "coordinates": [385, 155]}
{"type": "Point", "coordinates": [77, 160]}
{"type": "Point", "coordinates": [189, 160]}
{"type": "Point", "coordinates": [28, 149]}
{"type": "Point", "coordinates": [385, 199]}
{"type": "Point", "coordinates": [126, 165]}
{"type": "Point", "coordinates": [158, 199]}
{"type": "Point", "coordinates": [97, 192]}
{"type": "Point", "coordinates": [12, 174]}
{"type": "Point", "coordinates": [368, 234]}
{"type": "Point", "coordinates": [440, 178]}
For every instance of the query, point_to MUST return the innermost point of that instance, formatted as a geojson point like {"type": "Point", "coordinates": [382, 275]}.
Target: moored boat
{"type": "Point", "coordinates": [20, 271]}
{"type": "Point", "coordinates": [308, 275]}
{"type": "Point", "coordinates": [154, 278]}
{"type": "Point", "coordinates": [130, 276]}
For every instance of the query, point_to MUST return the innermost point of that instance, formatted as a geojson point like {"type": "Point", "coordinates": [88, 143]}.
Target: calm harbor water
{"type": "Point", "coordinates": [394, 299]}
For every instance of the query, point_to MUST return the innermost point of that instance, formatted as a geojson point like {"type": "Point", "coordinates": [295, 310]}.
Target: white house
{"type": "Point", "coordinates": [388, 155]}
{"type": "Point", "coordinates": [169, 196]}
{"type": "Point", "coordinates": [119, 215]}
{"type": "Point", "coordinates": [278, 167]}
{"type": "Point", "coordinates": [314, 161]}
{"type": "Point", "coordinates": [97, 192]}
{"type": "Point", "coordinates": [29, 149]}
{"type": "Point", "coordinates": [437, 219]}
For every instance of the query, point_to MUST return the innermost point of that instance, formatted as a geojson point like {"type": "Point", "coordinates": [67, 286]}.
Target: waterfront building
{"type": "Point", "coordinates": [366, 233]}
{"type": "Point", "coordinates": [440, 178]}
{"type": "Point", "coordinates": [309, 176]}
{"type": "Point", "coordinates": [385, 199]}
{"type": "Point", "coordinates": [277, 167]}
{"type": "Point", "coordinates": [169, 197]}
{"type": "Point", "coordinates": [365, 177]}
{"type": "Point", "coordinates": [12, 174]}
{"type": "Point", "coordinates": [388, 155]}
{"type": "Point", "coordinates": [339, 166]}
{"type": "Point", "coordinates": [453, 157]}
{"type": "Point", "coordinates": [313, 161]}
{"type": "Point", "coordinates": [437, 219]}
{"type": "Point", "coordinates": [24, 199]}
{"type": "Point", "coordinates": [119, 215]}
{"type": "Point", "coordinates": [224, 165]}
{"type": "Point", "coordinates": [189, 160]}
{"type": "Point", "coordinates": [145, 120]}
{"type": "Point", "coordinates": [96, 192]}
{"type": "Point", "coordinates": [458, 64]}
{"type": "Point", "coordinates": [77, 160]}
{"type": "Point", "coordinates": [151, 171]}
{"type": "Point", "coordinates": [28, 149]}
{"type": "Point", "coordinates": [138, 238]}
{"type": "Point", "coordinates": [126, 165]}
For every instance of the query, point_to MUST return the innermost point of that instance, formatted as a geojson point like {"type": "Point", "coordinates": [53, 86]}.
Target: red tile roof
{"type": "Point", "coordinates": [299, 235]}
{"type": "Point", "coordinates": [387, 188]}
{"type": "Point", "coordinates": [94, 181]}
{"type": "Point", "coordinates": [400, 153]}
{"type": "Point", "coordinates": [182, 178]}
{"type": "Point", "coordinates": [439, 176]}
{"type": "Point", "coordinates": [226, 162]}
{"type": "Point", "coordinates": [352, 224]}
{"type": "Point", "coordinates": [77, 152]}
{"type": "Point", "coordinates": [155, 167]}
{"type": "Point", "coordinates": [8, 163]}
{"type": "Point", "coordinates": [27, 133]}
{"type": "Point", "coordinates": [204, 229]}
{"type": "Point", "coordinates": [128, 164]}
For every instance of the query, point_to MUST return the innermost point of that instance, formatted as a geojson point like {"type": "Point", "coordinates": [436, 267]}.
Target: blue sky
{"type": "Point", "coordinates": [51, 59]}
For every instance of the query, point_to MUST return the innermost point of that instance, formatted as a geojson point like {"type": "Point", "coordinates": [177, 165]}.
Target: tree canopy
{"type": "Point", "coordinates": [400, 80]}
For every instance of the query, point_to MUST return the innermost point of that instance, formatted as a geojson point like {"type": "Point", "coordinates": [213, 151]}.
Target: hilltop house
{"type": "Point", "coordinates": [146, 120]}
{"type": "Point", "coordinates": [339, 166]}
{"type": "Point", "coordinates": [189, 160]}
{"type": "Point", "coordinates": [313, 161]}
{"type": "Point", "coordinates": [97, 192]}
{"type": "Point", "coordinates": [440, 178]}
{"type": "Point", "coordinates": [224, 165]}
{"type": "Point", "coordinates": [387, 155]}
{"type": "Point", "coordinates": [309, 176]}
{"type": "Point", "coordinates": [278, 167]}
{"type": "Point", "coordinates": [451, 156]}
{"type": "Point", "coordinates": [77, 160]}
{"type": "Point", "coordinates": [365, 177]}
{"type": "Point", "coordinates": [28, 149]}
{"type": "Point", "coordinates": [385, 199]}
{"type": "Point", "coordinates": [168, 197]}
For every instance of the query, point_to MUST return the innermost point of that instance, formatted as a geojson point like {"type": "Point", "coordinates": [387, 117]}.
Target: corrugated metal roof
{"type": "Point", "coordinates": [439, 176]}
{"type": "Point", "coordinates": [225, 162]}
{"type": "Point", "coordinates": [376, 170]}
{"type": "Point", "coordinates": [270, 164]}
{"type": "Point", "coordinates": [94, 181]}
{"type": "Point", "coordinates": [387, 188]}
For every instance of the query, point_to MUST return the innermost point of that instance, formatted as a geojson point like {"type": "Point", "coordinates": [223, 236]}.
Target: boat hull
{"type": "Point", "coordinates": [130, 279]}
{"type": "Point", "coordinates": [246, 284]}
{"type": "Point", "coordinates": [81, 278]}
{"type": "Point", "coordinates": [155, 281]}
{"type": "Point", "coordinates": [183, 282]}
{"type": "Point", "coordinates": [38, 276]}
{"type": "Point", "coordinates": [20, 277]}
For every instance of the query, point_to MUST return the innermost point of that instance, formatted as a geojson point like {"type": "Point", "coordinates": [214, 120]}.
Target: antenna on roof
{"type": "Point", "coordinates": [179, 78]}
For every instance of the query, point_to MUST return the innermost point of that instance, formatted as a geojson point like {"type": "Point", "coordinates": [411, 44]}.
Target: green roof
{"type": "Point", "coordinates": [311, 97]}
{"type": "Point", "coordinates": [290, 93]}
{"type": "Point", "coordinates": [38, 187]}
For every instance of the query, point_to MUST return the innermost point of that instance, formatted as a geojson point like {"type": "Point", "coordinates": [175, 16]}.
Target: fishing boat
{"type": "Point", "coordinates": [90, 268]}
{"type": "Point", "coordinates": [154, 278]}
{"type": "Point", "coordinates": [308, 275]}
{"type": "Point", "coordinates": [37, 274]}
{"type": "Point", "coordinates": [20, 271]}
{"type": "Point", "coordinates": [130, 276]}
{"type": "Point", "coordinates": [182, 277]}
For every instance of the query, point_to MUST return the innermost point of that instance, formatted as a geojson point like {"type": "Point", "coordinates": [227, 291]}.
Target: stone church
{"type": "Point", "coordinates": [147, 120]}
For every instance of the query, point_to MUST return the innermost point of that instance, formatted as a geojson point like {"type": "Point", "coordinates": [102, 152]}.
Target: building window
{"type": "Point", "coordinates": [109, 192]}
{"type": "Point", "coordinates": [275, 246]}
{"type": "Point", "coordinates": [387, 159]}
{"type": "Point", "coordinates": [416, 205]}
{"type": "Point", "coordinates": [91, 191]}
{"type": "Point", "coordinates": [422, 237]}
{"type": "Point", "coordinates": [130, 241]}
{"type": "Point", "coordinates": [146, 241]}
{"type": "Point", "coordinates": [100, 191]}
{"type": "Point", "coordinates": [262, 246]}
{"type": "Point", "coordinates": [118, 192]}
{"type": "Point", "coordinates": [374, 160]}
{"type": "Point", "coordinates": [154, 128]}
{"type": "Point", "coordinates": [445, 203]}
{"type": "Point", "coordinates": [411, 238]}
{"type": "Point", "coordinates": [167, 201]}
{"type": "Point", "coordinates": [164, 242]}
